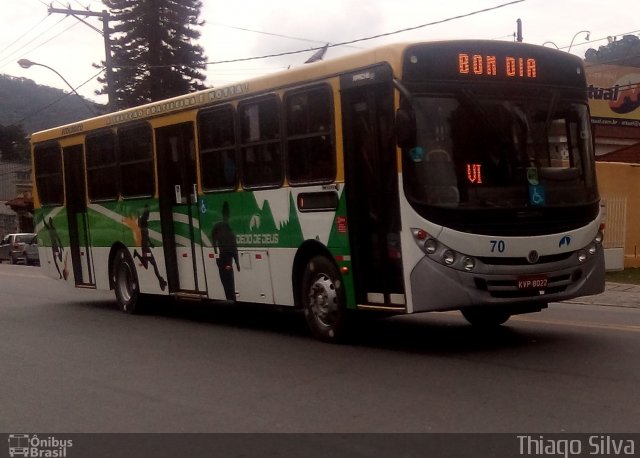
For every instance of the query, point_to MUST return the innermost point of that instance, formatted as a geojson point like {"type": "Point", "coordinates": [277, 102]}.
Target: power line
{"type": "Point", "coordinates": [9, 59]}
{"type": "Point", "coordinates": [23, 35]}
{"type": "Point", "coordinates": [105, 16]}
{"type": "Point", "coordinates": [16, 51]}
{"type": "Point", "coordinates": [49, 6]}
{"type": "Point", "coordinates": [600, 39]}
{"type": "Point", "coordinates": [244, 29]}
{"type": "Point", "coordinates": [350, 42]}
{"type": "Point", "coordinates": [265, 33]}
{"type": "Point", "coordinates": [358, 40]}
{"type": "Point", "coordinates": [58, 99]}
{"type": "Point", "coordinates": [77, 2]}
{"type": "Point", "coordinates": [46, 41]}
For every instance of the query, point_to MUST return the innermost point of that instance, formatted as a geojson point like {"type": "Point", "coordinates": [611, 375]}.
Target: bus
{"type": "Point", "coordinates": [436, 176]}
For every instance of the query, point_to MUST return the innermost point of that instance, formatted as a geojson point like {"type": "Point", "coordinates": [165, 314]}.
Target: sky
{"type": "Point", "coordinates": [254, 28]}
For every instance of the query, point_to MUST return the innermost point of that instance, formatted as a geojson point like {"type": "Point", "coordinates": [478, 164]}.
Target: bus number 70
{"type": "Point", "coordinates": [497, 245]}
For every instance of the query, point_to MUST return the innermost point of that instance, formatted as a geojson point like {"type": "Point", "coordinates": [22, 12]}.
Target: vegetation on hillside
{"type": "Point", "coordinates": [625, 52]}
{"type": "Point", "coordinates": [14, 146]}
{"type": "Point", "coordinates": [154, 56]}
{"type": "Point", "coordinates": [33, 107]}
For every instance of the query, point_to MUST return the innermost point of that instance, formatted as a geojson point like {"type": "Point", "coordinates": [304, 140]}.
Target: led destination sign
{"type": "Point", "coordinates": [508, 66]}
{"type": "Point", "coordinates": [490, 62]}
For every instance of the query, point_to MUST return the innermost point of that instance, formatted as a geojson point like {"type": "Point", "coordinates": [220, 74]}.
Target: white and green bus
{"type": "Point", "coordinates": [453, 175]}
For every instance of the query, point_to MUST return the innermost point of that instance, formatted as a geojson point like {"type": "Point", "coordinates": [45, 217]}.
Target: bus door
{"type": "Point", "coordinates": [76, 205]}
{"type": "Point", "coordinates": [371, 188]}
{"type": "Point", "coordinates": [177, 178]}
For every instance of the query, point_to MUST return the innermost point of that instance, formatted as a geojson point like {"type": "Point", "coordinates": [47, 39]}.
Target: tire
{"type": "Point", "coordinates": [125, 283]}
{"type": "Point", "coordinates": [323, 300]}
{"type": "Point", "coordinates": [485, 317]}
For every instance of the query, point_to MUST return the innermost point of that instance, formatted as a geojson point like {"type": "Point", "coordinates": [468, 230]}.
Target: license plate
{"type": "Point", "coordinates": [532, 282]}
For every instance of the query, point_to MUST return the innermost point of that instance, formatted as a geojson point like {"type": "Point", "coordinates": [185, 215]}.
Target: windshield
{"type": "Point", "coordinates": [24, 238]}
{"type": "Point", "coordinates": [527, 156]}
{"type": "Point", "coordinates": [476, 153]}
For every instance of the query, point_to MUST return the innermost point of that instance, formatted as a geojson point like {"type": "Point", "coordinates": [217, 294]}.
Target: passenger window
{"type": "Point", "coordinates": [218, 149]}
{"type": "Point", "coordinates": [48, 174]}
{"type": "Point", "coordinates": [261, 151]}
{"type": "Point", "coordinates": [136, 161]}
{"type": "Point", "coordinates": [102, 167]}
{"type": "Point", "coordinates": [310, 138]}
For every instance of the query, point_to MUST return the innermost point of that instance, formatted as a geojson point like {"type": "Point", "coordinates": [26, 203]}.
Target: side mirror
{"type": "Point", "coordinates": [405, 128]}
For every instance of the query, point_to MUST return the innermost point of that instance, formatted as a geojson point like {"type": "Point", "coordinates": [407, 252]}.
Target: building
{"type": "Point", "coordinates": [16, 202]}
{"type": "Point", "coordinates": [614, 102]}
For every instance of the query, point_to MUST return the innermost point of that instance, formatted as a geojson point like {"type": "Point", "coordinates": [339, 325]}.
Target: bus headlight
{"type": "Point", "coordinates": [468, 263]}
{"type": "Point", "coordinates": [599, 237]}
{"type": "Point", "coordinates": [582, 256]}
{"type": "Point", "coordinates": [448, 257]}
{"type": "Point", "coordinates": [441, 253]}
{"type": "Point", "coordinates": [430, 246]}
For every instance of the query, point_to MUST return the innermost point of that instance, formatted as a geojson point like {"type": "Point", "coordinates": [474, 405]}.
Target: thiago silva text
{"type": "Point", "coordinates": [600, 445]}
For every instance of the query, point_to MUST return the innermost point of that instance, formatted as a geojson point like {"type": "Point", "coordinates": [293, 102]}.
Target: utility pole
{"type": "Point", "coordinates": [104, 15]}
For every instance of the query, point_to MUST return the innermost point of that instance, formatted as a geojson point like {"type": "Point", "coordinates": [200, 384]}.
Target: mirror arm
{"type": "Point", "coordinates": [403, 90]}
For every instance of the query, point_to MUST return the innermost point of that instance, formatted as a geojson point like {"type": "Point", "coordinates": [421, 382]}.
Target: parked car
{"type": "Point", "coordinates": [22, 247]}
{"type": "Point", "coordinates": [31, 255]}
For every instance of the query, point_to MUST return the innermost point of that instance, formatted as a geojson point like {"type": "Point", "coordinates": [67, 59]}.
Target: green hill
{"type": "Point", "coordinates": [37, 107]}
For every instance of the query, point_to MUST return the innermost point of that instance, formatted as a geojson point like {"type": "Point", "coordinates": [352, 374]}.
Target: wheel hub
{"type": "Point", "coordinates": [323, 299]}
{"type": "Point", "coordinates": [124, 283]}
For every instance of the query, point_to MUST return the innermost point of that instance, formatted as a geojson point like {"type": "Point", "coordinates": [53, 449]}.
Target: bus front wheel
{"type": "Point", "coordinates": [485, 317]}
{"type": "Point", "coordinates": [125, 282]}
{"type": "Point", "coordinates": [323, 300]}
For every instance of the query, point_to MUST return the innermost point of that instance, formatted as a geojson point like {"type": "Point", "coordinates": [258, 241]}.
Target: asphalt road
{"type": "Point", "coordinates": [70, 362]}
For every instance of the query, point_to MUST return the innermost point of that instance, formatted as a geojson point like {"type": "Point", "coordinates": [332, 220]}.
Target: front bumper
{"type": "Point", "coordinates": [437, 287]}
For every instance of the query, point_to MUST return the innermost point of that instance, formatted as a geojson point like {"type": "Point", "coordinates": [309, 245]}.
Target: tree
{"type": "Point", "coordinates": [14, 146]}
{"type": "Point", "coordinates": [624, 52]}
{"type": "Point", "coordinates": [153, 55]}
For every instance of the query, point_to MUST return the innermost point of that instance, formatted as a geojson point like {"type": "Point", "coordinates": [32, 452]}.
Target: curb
{"type": "Point", "coordinates": [615, 295]}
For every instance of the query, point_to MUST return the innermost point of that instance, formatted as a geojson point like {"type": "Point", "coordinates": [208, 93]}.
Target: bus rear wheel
{"type": "Point", "coordinates": [323, 300]}
{"type": "Point", "coordinates": [125, 282]}
{"type": "Point", "coordinates": [485, 317]}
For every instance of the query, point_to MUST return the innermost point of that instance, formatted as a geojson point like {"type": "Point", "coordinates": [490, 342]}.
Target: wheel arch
{"type": "Point", "coordinates": [306, 251]}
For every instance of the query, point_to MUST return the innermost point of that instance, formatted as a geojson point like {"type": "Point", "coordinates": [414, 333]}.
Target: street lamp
{"type": "Point", "coordinates": [551, 43]}
{"type": "Point", "coordinates": [26, 63]}
{"type": "Point", "coordinates": [578, 33]}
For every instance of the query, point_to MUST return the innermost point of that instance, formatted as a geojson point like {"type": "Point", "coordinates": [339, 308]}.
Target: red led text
{"type": "Point", "coordinates": [474, 173]}
{"type": "Point", "coordinates": [512, 67]}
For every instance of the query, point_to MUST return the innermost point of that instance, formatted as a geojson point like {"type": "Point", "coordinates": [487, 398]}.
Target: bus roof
{"type": "Point", "coordinates": [270, 82]}
{"type": "Point", "coordinates": [392, 54]}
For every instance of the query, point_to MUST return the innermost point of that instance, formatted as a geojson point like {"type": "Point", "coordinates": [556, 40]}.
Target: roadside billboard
{"type": "Point", "coordinates": [614, 94]}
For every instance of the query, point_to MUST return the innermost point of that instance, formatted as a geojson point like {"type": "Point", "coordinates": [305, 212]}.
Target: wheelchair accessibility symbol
{"type": "Point", "coordinates": [536, 195]}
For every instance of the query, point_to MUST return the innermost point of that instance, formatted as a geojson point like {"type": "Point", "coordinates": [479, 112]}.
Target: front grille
{"type": "Point", "coordinates": [524, 261]}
